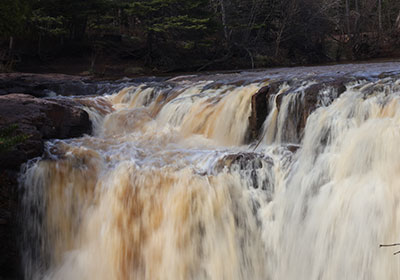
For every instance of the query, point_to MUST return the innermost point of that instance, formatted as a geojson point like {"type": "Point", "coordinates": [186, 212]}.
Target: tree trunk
{"type": "Point", "coordinates": [149, 47]}
{"type": "Point", "coordinates": [39, 45]}
{"type": "Point", "coordinates": [347, 18]}
{"type": "Point", "coordinates": [11, 45]}
{"type": "Point", "coordinates": [251, 57]}
{"type": "Point", "coordinates": [121, 27]}
{"type": "Point", "coordinates": [224, 22]}
{"type": "Point", "coordinates": [380, 15]}
{"type": "Point", "coordinates": [278, 42]}
{"type": "Point", "coordinates": [93, 60]}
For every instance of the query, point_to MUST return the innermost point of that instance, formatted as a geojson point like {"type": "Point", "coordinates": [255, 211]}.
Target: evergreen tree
{"type": "Point", "coordinates": [13, 15]}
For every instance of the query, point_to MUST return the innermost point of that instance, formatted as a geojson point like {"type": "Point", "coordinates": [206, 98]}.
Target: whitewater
{"type": "Point", "coordinates": [171, 185]}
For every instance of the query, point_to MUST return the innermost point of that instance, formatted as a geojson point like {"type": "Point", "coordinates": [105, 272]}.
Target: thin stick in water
{"type": "Point", "coordinates": [389, 245]}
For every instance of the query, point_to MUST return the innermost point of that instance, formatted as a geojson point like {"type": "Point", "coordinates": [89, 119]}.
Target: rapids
{"type": "Point", "coordinates": [171, 186]}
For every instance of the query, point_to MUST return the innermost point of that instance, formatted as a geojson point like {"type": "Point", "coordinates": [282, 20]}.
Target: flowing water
{"type": "Point", "coordinates": [171, 186]}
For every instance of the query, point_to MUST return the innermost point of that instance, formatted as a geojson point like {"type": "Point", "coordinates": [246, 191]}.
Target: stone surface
{"type": "Point", "coordinates": [44, 85]}
{"type": "Point", "coordinates": [50, 85]}
{"type": "Point", "coordinates": [39, 120]}
{"type": "Point", "coordinates": [260, 108]}
{"type": "Point", "coordinates": [311, 100]}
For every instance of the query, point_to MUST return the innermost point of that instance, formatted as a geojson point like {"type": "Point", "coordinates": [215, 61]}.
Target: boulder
{"type": "Point", "coordinates": [247, 164]}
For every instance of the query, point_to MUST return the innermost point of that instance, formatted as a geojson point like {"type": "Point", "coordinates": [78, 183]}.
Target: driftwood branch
{"type": "Point", "coordinates": [391, 245]}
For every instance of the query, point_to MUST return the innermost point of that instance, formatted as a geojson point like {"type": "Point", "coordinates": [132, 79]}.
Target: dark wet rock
{"type": "Point", "coordinates": [243, 161]}
{"type": "Point", "coordinates": [48, 85]}
{"type": "Point", "coordinates": [37, 120]}
{"type": "Point", "coordinates": [260, 108]}
{"type": "Point", "coordinates": [248, 164]}
{"type": "Point", "coordinates": [44, 85]}
{"type": "Point", "coordinates": [99, 104]}
{"type": "Point", "coordinates": [313, 99]}
{"type": "Point", "coordinates": [372, 88]}
{"type": "Point", "coordinates": [292, 148]}
{"type": "Point", "coordinates": [304, 103]}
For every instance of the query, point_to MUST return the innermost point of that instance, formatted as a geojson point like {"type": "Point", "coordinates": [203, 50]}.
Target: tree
{"type": "Point", "coordinates": [172, 24]}
{"type": "Point", "coordinates": [13, 14]}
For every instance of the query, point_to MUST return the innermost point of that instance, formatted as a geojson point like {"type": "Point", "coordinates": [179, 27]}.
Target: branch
{"type": "Point", "coordinates": [389, 245]}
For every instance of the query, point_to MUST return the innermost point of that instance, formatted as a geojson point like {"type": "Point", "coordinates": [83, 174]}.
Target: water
{"type": "Point", "coordinates": [171, 185]}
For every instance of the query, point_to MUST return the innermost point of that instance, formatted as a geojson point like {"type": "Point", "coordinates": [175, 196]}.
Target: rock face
{"type": "Point", "coordinates": [260, 103]}
{"type": "Point", "coordinates": [37, 120]}
{"type": "Point", "coordinates": [310, 100]}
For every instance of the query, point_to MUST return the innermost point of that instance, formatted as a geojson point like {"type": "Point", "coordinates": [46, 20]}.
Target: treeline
{"type": "Point", "coordinates": [190, 35]}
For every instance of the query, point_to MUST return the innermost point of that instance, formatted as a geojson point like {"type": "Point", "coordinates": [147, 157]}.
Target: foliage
{"type": "Point", "coordinates": [206, 33]}
{"type": "Point", "coordinates": [9, 138]}
{"type": "Point", "coordinates": [170, 16]}
{"type": "Point", "coordinates": [13, 14]}
{"type": "Point", "coordinates": [46, 24]}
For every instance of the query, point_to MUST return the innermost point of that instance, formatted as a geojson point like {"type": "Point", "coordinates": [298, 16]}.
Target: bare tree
{"type": "Point", "coordinates": [380, 15]}
{"type": "Point", "coordinates": [347, 18]}
{"type": "Point", "coordinates": [397, 23]}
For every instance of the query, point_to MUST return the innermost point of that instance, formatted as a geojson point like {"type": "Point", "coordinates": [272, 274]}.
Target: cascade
{"type": "Point", "coordinates": [171, 185]}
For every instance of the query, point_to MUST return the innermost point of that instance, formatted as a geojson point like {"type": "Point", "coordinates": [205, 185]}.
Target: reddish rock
{"type": "Point", "coordinates": [39, 120]}
{"type": "Point", "coordinates": [260, 108]}
{"type": "Point", "coordinates": [299, 112]}
{"type": "Point", "coordinates": [311, 100]}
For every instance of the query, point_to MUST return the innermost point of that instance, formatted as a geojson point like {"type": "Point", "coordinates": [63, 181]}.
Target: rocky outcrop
{"type": "Point", "coordinates": [44, 85]}
{"type": "Point", "coordinates": [48, 85]}
{"type": "Point", "coordinates": [39, 120]}
{"type": "Point", "coordinates": [312, 98]}
{"type": "Point", "coordinates": [260, 103]}
{"type": "Point", "coordinates": [36, 120]}
{"type": "Point", "coordinates": [249, 166]}
{"type": "Point", "coordinates": [243, 161]}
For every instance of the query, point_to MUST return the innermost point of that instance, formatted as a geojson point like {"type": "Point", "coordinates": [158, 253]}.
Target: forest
{"type": "Point", "coordinates": [156, 36]}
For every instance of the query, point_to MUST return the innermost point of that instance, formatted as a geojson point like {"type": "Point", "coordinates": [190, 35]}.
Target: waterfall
{"type": "Point", "coordinates": [172, 186]}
